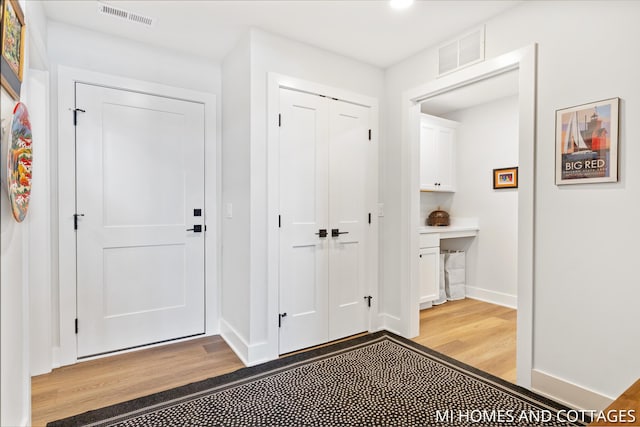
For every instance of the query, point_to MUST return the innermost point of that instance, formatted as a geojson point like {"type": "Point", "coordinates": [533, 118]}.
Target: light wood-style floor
{"type": "Point", "coordinates": [477, 333]}
{"type": "Point", "coordinates": [78, 388]}
{"type": "Point", "coordinates": [474, 332]}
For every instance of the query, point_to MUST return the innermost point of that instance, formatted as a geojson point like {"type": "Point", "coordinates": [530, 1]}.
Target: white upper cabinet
{"type": "Point", "coordinates": [437, 154]}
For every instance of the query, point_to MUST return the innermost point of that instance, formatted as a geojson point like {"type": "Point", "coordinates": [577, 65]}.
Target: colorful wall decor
{"type": "Point", "coordinates": [12, 39]}
{"type": "Point", "coordinates": [587, 143]}
{"type": "Point", "coordinates": [505, 178]}
{"type": "Point", "coordinates": [19, 162]}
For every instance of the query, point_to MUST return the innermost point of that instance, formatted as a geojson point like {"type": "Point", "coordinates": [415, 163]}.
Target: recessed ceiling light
{"type": "Point", "coordinates": [400, 4]}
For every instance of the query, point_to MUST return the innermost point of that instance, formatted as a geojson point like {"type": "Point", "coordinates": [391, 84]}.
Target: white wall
{"type": "Point", "coordinates": [585, 283]}
{"type": "Point", "coordinates": [90, 50]}
{"type": "Point", "coordinates": [487, 139]}
{"type": "Point", "coordinates": [14, 374]}
{"type": "Point", "coordinates": [17, 263]}
{"type": "Point", "coordinates": [236, 139]}
{"type": "Point", "coordinates": [40, 226]}
{"type": "Point", "coordinates": [40, 272]}
{"type": "Point", "coordinates": [408, 74]}
{"type": "Point", "coordinates": [270, 53]}
{"type": "Point", "coordinates": [80, 48]}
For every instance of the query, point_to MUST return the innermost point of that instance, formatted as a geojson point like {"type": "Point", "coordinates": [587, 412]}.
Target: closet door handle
{"type": "Point", "coordinates": [335, 232]}
{"type": "Point", "coordinates": [322, 232]}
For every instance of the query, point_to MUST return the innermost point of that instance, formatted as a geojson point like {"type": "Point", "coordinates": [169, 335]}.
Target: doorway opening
{"type": "Point", "coordinates": [483, 266]}
{"type": "Point", "coordinates": [523, 63]}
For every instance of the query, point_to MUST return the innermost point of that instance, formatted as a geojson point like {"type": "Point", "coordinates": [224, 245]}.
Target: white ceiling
{"type": "Point", "coordinates": [369, 31]}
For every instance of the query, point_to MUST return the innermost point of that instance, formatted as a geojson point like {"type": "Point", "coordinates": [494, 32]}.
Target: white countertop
{"type": "Point", "coordinates": [460, 227]}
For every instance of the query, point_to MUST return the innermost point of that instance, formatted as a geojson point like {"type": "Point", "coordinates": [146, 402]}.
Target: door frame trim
{"type": "Point", "coordinates": [525, 61]}
{"type": "Point", "coordinates": [66, 353]}
{"type": "Point", "coordinates": [275, 82]}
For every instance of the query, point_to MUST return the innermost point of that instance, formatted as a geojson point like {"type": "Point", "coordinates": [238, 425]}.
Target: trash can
{"type": "Point", "coordinates": [455, 275]}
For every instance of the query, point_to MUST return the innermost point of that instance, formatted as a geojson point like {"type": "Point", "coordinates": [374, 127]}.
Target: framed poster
{"type": "Point", "coordinates": [587, 143]}
{"type": "Point", "coordinates": [12, 38]}
{"type": "Point", "coordinates": [505, 178]}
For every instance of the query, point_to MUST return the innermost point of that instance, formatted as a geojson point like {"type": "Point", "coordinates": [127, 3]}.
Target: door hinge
{"type": "Point", "coordinates": [280, 316]}
{"type": "Point", "coordinates": [76, 324]}
{"type": "Point", "coordinates": [279, 221]}
{"type": "Point", "coordinates": [279, 120]}
{"type": "Point", "coordinates": [369, 134]}
{"type": "Point", "coordinates": [368, 298]}
{"type": "Point", "coordinates": [369, 217]}
{"type": "Point", "coordinates": [75, 115]}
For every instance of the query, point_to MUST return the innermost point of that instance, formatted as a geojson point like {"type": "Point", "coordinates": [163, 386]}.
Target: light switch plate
{"type": "Point", "coordinates": [380, 209]}
{"type": "Point", "coordinates": [229, 210]}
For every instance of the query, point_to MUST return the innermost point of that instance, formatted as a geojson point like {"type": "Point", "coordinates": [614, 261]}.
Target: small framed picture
{"type": "Point", "coordinates": [587, 143]}
{"type": "Point", "coordinates": [12, 39]}
{"type": "Point", "coordinates": [505, 178]}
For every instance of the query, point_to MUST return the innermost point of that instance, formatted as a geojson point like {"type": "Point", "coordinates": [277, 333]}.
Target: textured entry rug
{"type": "Point", "coordinates": [380, 380]}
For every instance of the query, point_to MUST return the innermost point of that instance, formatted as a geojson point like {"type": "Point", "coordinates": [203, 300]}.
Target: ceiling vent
{"type": "Point", "coordinates": [125, 14]}
{"type": "Point", "coordinates": [461, 52]}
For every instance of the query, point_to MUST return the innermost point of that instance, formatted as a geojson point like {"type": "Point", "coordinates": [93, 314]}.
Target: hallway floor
{"type": "Point", "coordinates": [474, 332]}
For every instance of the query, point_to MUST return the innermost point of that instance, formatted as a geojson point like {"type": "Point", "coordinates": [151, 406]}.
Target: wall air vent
{"type": "Point", "coordinates": [461, 52]}
{"type": "Point", "coordinates": [125, 14]}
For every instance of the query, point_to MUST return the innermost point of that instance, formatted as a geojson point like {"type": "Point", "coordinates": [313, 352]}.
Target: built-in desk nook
{"type": "Point", "coordinates": [429, 253]}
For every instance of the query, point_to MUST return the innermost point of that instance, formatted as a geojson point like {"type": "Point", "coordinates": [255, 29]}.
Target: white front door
{"type": "Point", "coordinates": [323, 161]}
{"type": "Point", "coordinates": [304, 190]}
{"type": "Point", "coordinates": [139, 186]}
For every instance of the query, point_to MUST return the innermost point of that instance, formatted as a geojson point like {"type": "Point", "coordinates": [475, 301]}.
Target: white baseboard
{"type": "Point", "coordinates": [235, 341]}
{"type": "Point", "coordinates": [425, 305]}
{"type": "Point", "coordinates": [260, 353]}
{"type": "Point", "coordinates": [389, 323]}
{"type": "Point", "coordinates": [568, 393]}
{"type": "Point", "coordinates": [493, 297]}
{"type": "Point", "coordinates": [249, 354]}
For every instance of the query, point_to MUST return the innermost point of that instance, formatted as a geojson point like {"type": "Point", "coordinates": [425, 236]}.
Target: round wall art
{"type": "Point", "coordinates": [19, 162]}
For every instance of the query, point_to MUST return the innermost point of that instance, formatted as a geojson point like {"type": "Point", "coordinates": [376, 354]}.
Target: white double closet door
{"type": "Point", "coordinates": [324, 164]}
{"type": "Point", "coordinates": [140, 191]}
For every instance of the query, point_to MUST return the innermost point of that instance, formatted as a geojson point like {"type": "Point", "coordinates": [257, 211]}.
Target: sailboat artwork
{"type": "Point", "coordinates": [587, 141]}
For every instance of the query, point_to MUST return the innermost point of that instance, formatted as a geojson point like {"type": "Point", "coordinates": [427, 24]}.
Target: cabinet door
{"type": "Point", "coordinates": [428, 157]}
{"type": "Point", "coordinates": [437, 154]}
{"type": "Point", "coordinates": [445, 159]}
{"type": "Point", "coordinates": [429, 273]}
